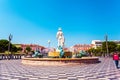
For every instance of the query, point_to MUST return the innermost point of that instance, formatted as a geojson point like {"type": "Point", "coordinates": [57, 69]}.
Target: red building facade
{"type": "Point", "coordinates": [83, 47]}
{"type": "Point", "coordinates": [33, 47]}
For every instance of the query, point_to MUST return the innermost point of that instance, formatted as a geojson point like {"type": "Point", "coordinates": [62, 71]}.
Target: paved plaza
{"type": "Point", "coordinates": [14, 70]}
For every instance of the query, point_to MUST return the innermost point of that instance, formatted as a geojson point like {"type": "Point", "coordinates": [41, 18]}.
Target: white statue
{"type": "Point", "coordinates": [60, 38]}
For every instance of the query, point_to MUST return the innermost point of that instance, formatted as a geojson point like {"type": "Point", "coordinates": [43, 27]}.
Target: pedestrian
{"type": "Point", "coordinates": [116, 59]}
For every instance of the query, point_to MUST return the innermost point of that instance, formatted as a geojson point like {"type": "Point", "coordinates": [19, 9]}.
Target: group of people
{"type": "Point", "coordinates": [116, 59]}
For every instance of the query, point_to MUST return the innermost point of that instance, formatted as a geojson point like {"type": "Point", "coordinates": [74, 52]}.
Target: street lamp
{"type": "Point", "coordinates": [106, 38]}
{"type": "Point", "coordinates": [49, 44]}
{"type": "Point", "coordinates": [9, 39]}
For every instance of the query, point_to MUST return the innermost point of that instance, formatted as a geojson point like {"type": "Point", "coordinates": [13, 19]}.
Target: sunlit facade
{"type": "Point", "coordinates": [83, 47]}
{"type": "Point", "coordinates": [98, 43]}
{"type": "Point", "coordinates": [33, 47]}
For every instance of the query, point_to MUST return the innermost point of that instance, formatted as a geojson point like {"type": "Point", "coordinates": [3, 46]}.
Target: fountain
{"type": "Point", "coordinates": [60, 56]}
{"type": "Point", "coordinates": [59, 51]}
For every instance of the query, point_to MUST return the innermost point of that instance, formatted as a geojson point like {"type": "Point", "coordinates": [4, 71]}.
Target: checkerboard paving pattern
{"type": "Point", "coordinates": [14, 70]}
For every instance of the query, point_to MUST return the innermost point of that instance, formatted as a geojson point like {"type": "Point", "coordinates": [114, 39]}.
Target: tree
{"type": "Point", "coordinates": [4, 45]}
{"type": "Point", "coordinates": [92, 50]}
{"type": "Point", "coordinates": [95, 52]}
{"type": "Point", "coordinates": [118, 48]}
{"type": "Point", "coordinates": [28, 49]}
{"type": "Point", "coordinates": [111, 46]}
{"type": "Point", "coordinates": [19, 49]}
{"type": "Point", "coordinates": [13, 48]}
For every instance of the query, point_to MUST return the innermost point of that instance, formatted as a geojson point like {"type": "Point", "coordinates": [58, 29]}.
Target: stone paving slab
{"type": "Point", "coordinates": [14, 70]}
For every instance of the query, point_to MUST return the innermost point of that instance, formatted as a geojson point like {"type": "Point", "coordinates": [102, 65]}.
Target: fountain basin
{"type": "Point", "coordinates": [59, 61]}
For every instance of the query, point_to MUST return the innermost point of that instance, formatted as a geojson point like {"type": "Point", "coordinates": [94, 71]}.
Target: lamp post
{"type": "Point", "coordinates": [49, 44]}
{"type": "Point", "coordinates": [9, 39]}
{"type": "Point", "coordinates": [106, 39]}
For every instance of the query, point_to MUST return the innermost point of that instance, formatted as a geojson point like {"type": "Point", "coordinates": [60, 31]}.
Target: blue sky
{"type": "Point", "coordinates": [37, 21]}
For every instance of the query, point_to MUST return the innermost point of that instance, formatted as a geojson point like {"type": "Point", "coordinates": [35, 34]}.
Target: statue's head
{"type": "Point", "coordinates": [59, 29]}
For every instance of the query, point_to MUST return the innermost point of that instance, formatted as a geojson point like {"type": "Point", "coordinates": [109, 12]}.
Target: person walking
{"type": "Point", "coordinates": [116, 59]}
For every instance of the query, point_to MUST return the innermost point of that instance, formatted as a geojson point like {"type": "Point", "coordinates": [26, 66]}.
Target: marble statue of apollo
{"type": "Point", "coordinates": [60, 37]}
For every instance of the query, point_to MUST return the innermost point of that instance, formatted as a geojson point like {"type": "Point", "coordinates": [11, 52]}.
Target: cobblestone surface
{"type": "Point", "coordinates": [14, 70]}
